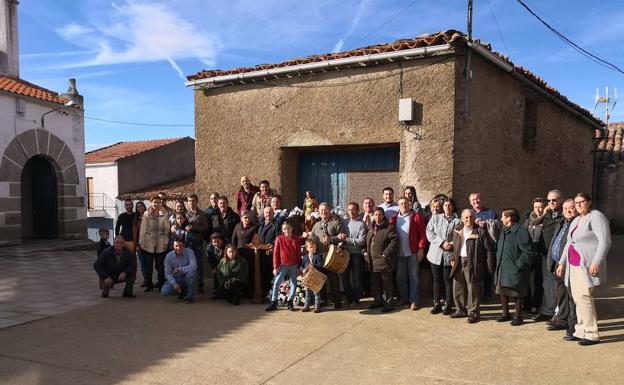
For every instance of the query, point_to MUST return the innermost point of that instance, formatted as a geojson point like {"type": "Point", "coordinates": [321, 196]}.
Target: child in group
{"type": "Point", "coordinates": [316, 260]}
{"type": "Point", "coordinates": [179, 231]}
{"type": "Point", "coordinates": [103, 243]}
{"type": "Point", "coordinates": [286, 261]}
{"type": "Point", "coordinates": [232, 274]}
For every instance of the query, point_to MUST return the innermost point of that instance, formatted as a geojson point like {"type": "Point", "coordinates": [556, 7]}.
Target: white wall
{"type": "Point", "coordinates": [104, 182]}
{"type": "Point", "coordinates": [66, 124]}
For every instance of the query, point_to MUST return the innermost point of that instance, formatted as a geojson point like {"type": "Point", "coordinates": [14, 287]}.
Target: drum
{"type": "Point", "coordinates": [313, 279]}
{"type": "Point", "coordinates": [337, 259]}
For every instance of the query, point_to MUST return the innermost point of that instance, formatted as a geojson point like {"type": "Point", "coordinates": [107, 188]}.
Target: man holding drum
{"type": "Point", "coordinates": [329, 231]}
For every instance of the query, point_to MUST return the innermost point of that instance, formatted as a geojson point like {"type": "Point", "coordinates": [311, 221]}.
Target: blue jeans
{"type": "Point", "coordinates": [143, 265]}
{"type": "Point", "coordinates": [353, 272]}
{"type": "Point", "coordinates": [292, 273]}
{"type": "Point", "coordinates": [312, 295]}
{"type": "Point", "coordinates": [187, 282]}
{"type": "Point", "coordinates": [407, 278]}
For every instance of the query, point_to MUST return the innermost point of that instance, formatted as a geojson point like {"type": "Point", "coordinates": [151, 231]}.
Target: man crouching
{"type": "Point", "coordinates": [115, 265]}
{"type": "Point", "coordinates": [180, 272]}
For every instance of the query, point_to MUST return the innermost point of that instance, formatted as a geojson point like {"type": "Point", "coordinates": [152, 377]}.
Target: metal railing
{"type": "Point", "coordinates": [100, 202]}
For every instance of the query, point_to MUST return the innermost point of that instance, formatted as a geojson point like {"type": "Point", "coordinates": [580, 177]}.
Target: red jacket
{"type": "Point", "coordinates": [244, 198]}
{"type": "Point", "coordinates": [287, 251]}
{"type": "Point", "coordinates": [417, 236]}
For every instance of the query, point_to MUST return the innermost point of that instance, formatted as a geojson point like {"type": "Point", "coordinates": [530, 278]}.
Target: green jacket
{"type": "Point", "coordinates": [514, 255]}
{"type": "Point", "coordinates": [231, 269]}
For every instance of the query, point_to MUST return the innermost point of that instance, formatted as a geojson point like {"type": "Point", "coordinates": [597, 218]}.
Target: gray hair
{"type": "Point", "coordinates": [326, 205]}
{"type": "Point", "coordinates": [558, 192]}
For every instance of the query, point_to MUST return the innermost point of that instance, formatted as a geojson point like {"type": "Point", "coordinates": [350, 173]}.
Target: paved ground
{"type": "Point", "coordinates": [151, 340]}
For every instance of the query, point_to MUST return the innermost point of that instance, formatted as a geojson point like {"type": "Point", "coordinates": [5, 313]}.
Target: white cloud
{"type": "Point", "coordinates": [137, 31]}
{"type": "Point", "coordinates": [361, 9]}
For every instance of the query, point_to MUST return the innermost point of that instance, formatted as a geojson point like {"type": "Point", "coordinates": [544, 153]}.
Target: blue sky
{"type": "Point", "coordinates": [130, 56]}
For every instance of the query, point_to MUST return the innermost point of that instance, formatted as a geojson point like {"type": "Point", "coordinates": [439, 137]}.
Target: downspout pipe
{"type": "Point", "coordinates": [326, 64]}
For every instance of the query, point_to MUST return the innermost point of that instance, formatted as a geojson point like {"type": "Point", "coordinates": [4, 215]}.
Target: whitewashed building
{"type": "Point", "coordinates": [42, 183]}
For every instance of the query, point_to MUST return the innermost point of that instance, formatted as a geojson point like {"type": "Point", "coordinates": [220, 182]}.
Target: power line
{"type": "Point", "coordinates": [572, 44]}
{"type": "Point", "coordinates": [139, 124]}
{"type": "Point", "coordinates": [383, 24]}
{"type": "Point", "coordinates": [498, 27]}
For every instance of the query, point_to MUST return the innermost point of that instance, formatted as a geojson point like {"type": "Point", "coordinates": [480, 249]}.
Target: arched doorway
{"type": "Point", "coordinates": [39, 199]}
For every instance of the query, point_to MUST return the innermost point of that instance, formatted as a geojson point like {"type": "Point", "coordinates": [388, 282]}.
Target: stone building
{"type": "Point", "coordinates": [42, 184]}
{"type": "Point", "coordinates": [333, 124]}
{"type": "Point", "coordinates": [124, 167]}
{"type": "Point", "coordinates": [609, 197]}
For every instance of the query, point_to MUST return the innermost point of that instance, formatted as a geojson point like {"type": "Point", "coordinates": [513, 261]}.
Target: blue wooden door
{"type": "Point", "coordinates": [324, 173]}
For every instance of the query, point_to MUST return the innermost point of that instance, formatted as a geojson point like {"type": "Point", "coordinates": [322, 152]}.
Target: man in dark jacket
{"type": "Point", "coordinates": [551, 225]}
{"type": "Point", "coordinates": [474, 252]}
{"type": "Point", "coordinates": [124, 225]}
{"type": "Point", "coordinates": [269, 230]}
{"type": "Point", "coordinates": [565, 319]}
{"type": "Point", "coordinates": [227, 219]}
{"type": "Point", "coordinates": [114, 265]}
{"type": "Point", "coordinates": [382, 247]}
{"type": "Point", "coordinates": [329, 230]}
{"type": "Point", "coordinates": [198, 226]}
{"type": "Point", "coordinates": [243, 235]}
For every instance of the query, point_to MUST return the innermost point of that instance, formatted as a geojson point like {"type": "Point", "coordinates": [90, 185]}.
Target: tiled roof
{"type": "Point", "coordinates": [175, 190]}
{"type": "Point", "coordinates": [22, 87]}
{"type": "Point", "coordinates": [122, 150]}
{"type": "Point", "coordinates": [428, 40]}
{"type": "Point", "coordinates": [610, 144]}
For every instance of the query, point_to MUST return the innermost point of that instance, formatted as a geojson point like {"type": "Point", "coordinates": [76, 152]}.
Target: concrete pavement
{"type": "Point", "coordinates": [154, 340]}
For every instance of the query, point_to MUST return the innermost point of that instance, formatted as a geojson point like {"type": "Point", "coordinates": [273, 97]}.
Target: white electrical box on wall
{"type": "Point", "coordinates": [406, 110]}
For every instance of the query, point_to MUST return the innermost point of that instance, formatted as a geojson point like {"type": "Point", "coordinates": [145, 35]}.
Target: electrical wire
{"type": "Point", "coordinates": [383, 24]}
{"type": "Point", "coordinates": [498, 27]}
{"type": "Point", "coordinates": [138, 124]}
{"type": "Point", "coordinates": [596, 59]}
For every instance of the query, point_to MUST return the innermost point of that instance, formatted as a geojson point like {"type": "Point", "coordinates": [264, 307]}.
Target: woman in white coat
{"type": "Point", "coordinates": [584, 264]}
{"type": "Point", "coordinates": [440, 236]}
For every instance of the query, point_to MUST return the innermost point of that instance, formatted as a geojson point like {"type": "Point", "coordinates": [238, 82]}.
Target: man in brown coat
{"type": "Point", "coordinates": [382, 247]}
{"type": "Point", "coordinates": [329, 231]}
{"type": "Point", "coordinates": [473, 250]}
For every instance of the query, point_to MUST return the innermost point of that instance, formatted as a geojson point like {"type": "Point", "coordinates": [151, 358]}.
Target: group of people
{"type": "Point", "coordinates": [546, 261]}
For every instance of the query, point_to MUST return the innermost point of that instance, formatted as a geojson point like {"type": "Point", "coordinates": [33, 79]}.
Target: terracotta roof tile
{"type": "Point", "coordinates": [22, 87]}
{"type": "Point", "coordinates": [175, 190]}
{"type": "Point", "coordinates": [122, 150]}
{"type": "Point", "coordinates": [609, 143]}
{"type": "Point", "coordinates": [427, 40]}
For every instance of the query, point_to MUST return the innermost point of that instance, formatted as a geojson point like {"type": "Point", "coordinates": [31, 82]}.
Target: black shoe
{"type": "Point", "coordinates": [517, 321]}
{"type": "Point", "coordinates": [473, 318]}
{"type": "Point", "coordinates": [188, 300]}
{"type": "Point", "coordinates": [458, 314]}
{"type": "Point", "coordinates": [375, 305]}
{"type": "Point", "coordinates": [436, 309]}
{"type": "Point", "coordinates": [180, 295]}
{"type": "Point", "coordinates": [586, 342]}
{"type": "Point", "coordinates": [236, 301]}
{"type": "Point", "coordinates": [504, 318]}
{"type": "Point", "coordinates": [128, 295]}
{"type": "Point", "coordinates": [541, 317]}
{"type": "Point", "coordinates": [448, 310]}
{"type": "Point", "coordinates": [104, 293]}
{"type": "Point", "coordinates": [553, 321]}
{"type": "Point", "coordinates": [387, 309]}
{"type": "Point", "coordinates": [306, 309]}
{"type": "Point", "coordinates": [290, 306]}
{"type": "Point", "coordinates": [337, 306]}
{"type": "Point", "coordinates": [272, 306]}
{"type": "Point", "coordinates": [144, 284]}
{"type": "Point", "coordinates": [557, 327]}
{"type": "Point", "coordinates": [317, 310]}
{"type": "Point", "coordinates": [571, 337]}
{"type": "Point", "coordinates": [149, 289]}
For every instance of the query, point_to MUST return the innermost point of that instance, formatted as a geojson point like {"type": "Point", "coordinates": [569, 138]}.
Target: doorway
{"type": "Point", "coordinates": [39, 199]}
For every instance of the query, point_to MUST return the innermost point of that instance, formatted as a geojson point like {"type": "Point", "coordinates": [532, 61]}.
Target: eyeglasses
{"type": "Point", "coordinates": [553, 200]}
{"type": "Point", "coordinates": [578, 203]}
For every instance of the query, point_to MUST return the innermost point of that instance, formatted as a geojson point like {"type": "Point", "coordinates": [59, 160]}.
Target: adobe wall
{"type": "Point", "coordinates": [256, 129]}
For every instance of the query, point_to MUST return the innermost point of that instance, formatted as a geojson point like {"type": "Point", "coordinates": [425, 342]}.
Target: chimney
{"type": "Point", "coordinates": [9, 46]}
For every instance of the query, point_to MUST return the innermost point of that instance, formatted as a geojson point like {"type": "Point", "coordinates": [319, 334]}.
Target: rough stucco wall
{"type": "Point", "coordinates": [609, 198]}
{"type": "Point", "coordinates": [241, 129]}
{"type": "Point", "coordinates": [366, 184]}
{"type": "Point", "coordinates": [489, 157]}
{"type": "Point", "coordinates": [169, 162]}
